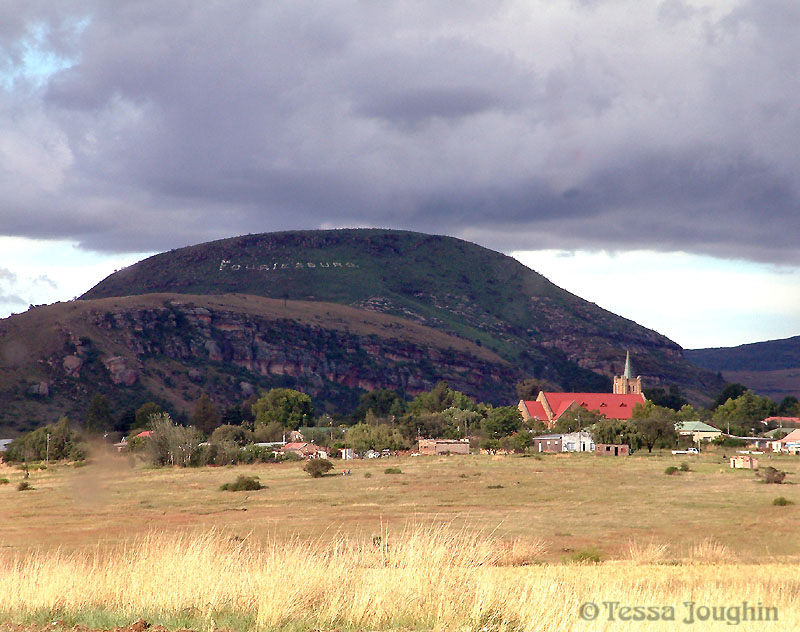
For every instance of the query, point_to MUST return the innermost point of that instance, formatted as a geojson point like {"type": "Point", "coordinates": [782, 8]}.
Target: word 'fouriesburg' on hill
{"type": "Point", "coordinates": [275, 265]}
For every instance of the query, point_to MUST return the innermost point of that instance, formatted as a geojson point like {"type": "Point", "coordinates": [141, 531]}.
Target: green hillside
{"type": "Point", "coordinates": [442, 282]}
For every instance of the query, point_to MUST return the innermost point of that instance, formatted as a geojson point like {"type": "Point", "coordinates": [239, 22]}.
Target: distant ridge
{"type": "Point", "coordinates": [770, 368]}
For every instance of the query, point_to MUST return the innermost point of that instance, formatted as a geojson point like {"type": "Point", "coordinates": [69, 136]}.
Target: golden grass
{"type": "Point", "coordinates": [419, 578]}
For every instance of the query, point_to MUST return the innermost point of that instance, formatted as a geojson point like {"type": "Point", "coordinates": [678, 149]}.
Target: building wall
{"type": "Point", "coordinates": [546, 445]}
{"type": "Point", "coordinates": [612, 449]}
{"type": "Point", "coordinates": [432, 447]}
{"type": "Point", "coordinates": [627, 386]}
{"type": "Point", "coordinates": [577, 442]}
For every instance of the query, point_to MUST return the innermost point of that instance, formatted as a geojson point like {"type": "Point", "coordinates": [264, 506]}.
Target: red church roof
{"type": "Point", "coordinates": [612, 405]}
{"type": "Point", "coordinates": [536, 411]}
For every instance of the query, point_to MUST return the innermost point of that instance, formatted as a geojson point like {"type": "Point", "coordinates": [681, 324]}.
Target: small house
{"type": "Point", "coordinates": [697, 430]}
{"type": "Point", "coordinates": [432, 447]}
{"type": "Point", "coordinates": [305, 450]}
{"type": "Point", "coordinates": [547, 443]}
{"type": "Point", "coordinates": [612, 449]}
{"type": "Point", "coordinates": [789, 444]}
{"type": "Point", "coordinates": [580, 441]}
{"type": "Point", "coordinates": [744, 461]}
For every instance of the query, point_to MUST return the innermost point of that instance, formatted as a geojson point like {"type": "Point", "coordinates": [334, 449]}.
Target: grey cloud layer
{"type": "Point", "coordinates": [525, 125]}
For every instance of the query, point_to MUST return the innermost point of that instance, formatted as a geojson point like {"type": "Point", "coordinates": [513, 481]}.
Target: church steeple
{"type": "Point", "coordinates": [628, 375]}
{"type": "Point", "coordinates": [626, 384]}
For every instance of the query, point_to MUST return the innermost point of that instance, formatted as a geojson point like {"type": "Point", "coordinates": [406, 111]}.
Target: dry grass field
{"type": "Point", "coordinates": [450, 543]}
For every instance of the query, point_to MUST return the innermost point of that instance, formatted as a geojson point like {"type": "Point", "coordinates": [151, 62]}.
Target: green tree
{"type": "Point", "coordinates": [673, 398]}
{"type": "Point", "coordinates": [743, 413]}
{"type": "Point", "coordinates": [383, 402]}
{"type": "Point", "coordinates": [440, 398]}
{"type": "Point", "coordinates": [145, 411]}
{"type": "Point", "coordinates": [501, 422]}
{"type": "Point", "coordinates": [460, 422]}
{"type": "Point", "coordinates": [688, 412]}
{"type": "Point", "coordinates": [205, 416]}
{"type": "Point", "coordinates": [317, 468]}
{"type": "Point", "coordinates": [654, 425]}
{"type": "Point", "coordinates": [732, 390]}
{"type": "Point", "coordinates": [520, 441]}
{"type": "Point", "coordinates": [612, 431]}
{"type": "Point", "coordinates": [98, 417]}
{"type": "Point", "coordinates": [789, 407]}
{"type": "Point", "coordinates": [236, 434]}
{"type": "Point", "coordinates": [170, 444]}
{"type": "Point", "coordinates": [363, 437]}
{"type": "Point", "coordinates": [575, 418]}
{"type": "Point", "coordinates": [33, 446]}
{"type": "Point", "coordinates": [286, 406]}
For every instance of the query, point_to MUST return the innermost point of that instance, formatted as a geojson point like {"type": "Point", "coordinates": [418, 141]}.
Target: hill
{"type": "Point", "coordinates": [771, 368]}
{"type": "Point", "coordinates": [479, 319]}
{"type": "Point", "coordinates": [442, 282]}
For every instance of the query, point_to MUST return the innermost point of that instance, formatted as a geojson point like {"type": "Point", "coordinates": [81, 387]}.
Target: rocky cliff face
{"type": "Point", "coordinates": [173, 348]}
{"type": "Point", "coordinates": [314, 357]}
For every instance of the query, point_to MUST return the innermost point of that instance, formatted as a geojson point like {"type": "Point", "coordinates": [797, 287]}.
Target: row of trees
{"type": "Point", "coordinates": [383, 419]}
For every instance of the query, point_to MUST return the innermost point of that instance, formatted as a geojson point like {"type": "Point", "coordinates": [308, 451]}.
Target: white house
{"type": "Point", "coordinates": [581, 441]}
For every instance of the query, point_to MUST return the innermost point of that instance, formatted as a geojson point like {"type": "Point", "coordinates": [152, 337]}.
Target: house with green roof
{"type": "Point", "coordinates": [698, 430]}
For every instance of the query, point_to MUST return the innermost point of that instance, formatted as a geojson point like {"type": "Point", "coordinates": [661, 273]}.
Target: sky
{"type": "Point", "coordinates": [642, 155]}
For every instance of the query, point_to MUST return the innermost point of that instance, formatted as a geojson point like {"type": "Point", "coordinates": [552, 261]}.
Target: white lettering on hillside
{"type": "Point", "coordinates": [227, 264]}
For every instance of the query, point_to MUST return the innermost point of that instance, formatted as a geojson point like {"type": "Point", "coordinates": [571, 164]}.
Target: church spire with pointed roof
{"type": "Point", "coordinates": [628, 374]}
{"type": "Point", "coordinates": [626, 384]}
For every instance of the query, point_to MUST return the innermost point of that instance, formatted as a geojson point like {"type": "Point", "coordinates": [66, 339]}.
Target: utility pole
{"type": "Point", "coordinates": [47, 450]}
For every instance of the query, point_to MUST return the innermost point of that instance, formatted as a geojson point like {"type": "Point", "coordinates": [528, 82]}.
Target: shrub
{"type": "Point", "coordinates": [494, 487]}
{"type": "Point", "coordinates": [771, 475]}
{"type": "Point", "coordinates": [586, 556]}
{"type": "Point", "coordinates": [671, 470]}
{"type": "Point", "coordinates": [4, 481]}
{"type": "Point", "coordinates": [242, 483]}
{"type": "Point", "coordinates": [24, 485]}
{"type": "Point", "coordinates": [317, 468]}
{"type": "Point", "coordinates": [685, 467]}
{"type": "Point", "coordinates": [392, 470]}
{"type": "Point", "coordinates": [367, 474]}
{"type": "Point", "coordinates": [780, 501]}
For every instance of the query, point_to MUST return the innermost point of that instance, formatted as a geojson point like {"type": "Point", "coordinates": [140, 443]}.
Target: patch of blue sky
{"type": "Point", "coordinates": [37, 61]}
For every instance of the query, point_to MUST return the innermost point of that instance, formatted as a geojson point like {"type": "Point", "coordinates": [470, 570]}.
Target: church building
{"type": "Point", "coordinates": [627, 394]}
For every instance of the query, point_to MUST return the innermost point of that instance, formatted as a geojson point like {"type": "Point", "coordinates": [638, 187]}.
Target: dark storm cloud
{"type": "Point", "coordinates": [603, 124]}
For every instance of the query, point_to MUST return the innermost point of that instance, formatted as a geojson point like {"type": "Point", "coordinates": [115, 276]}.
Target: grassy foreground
{"type": "Point", "coordinates": [423, 578]}
{"type": "Point", "coordinates": [471, 543]}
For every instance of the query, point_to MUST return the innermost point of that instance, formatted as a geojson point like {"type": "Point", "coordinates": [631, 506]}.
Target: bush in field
{"type": "Point", "coordinates": [318, 467]}
{"type": "Point", "coordinates": [586, 556]}
{"type": "Point", "coordinates": [24, 486]}
{"type": "Point", "coordinates": [780, 501]}
{"type": "Point", "coordinates": [771, 475]}
{"type": "Point", "coordinates": [4, 481]}
{"type": "Point", "coordinates": [170, 444]}
{"type": "Point", "coordinates": [671, 470]}
{"type": "Point", "coordinates": [241, 484]}
{"type": "Point", "coordinates": [685, 467]}
{"type": "Point", "coordinates": [392, 470]}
